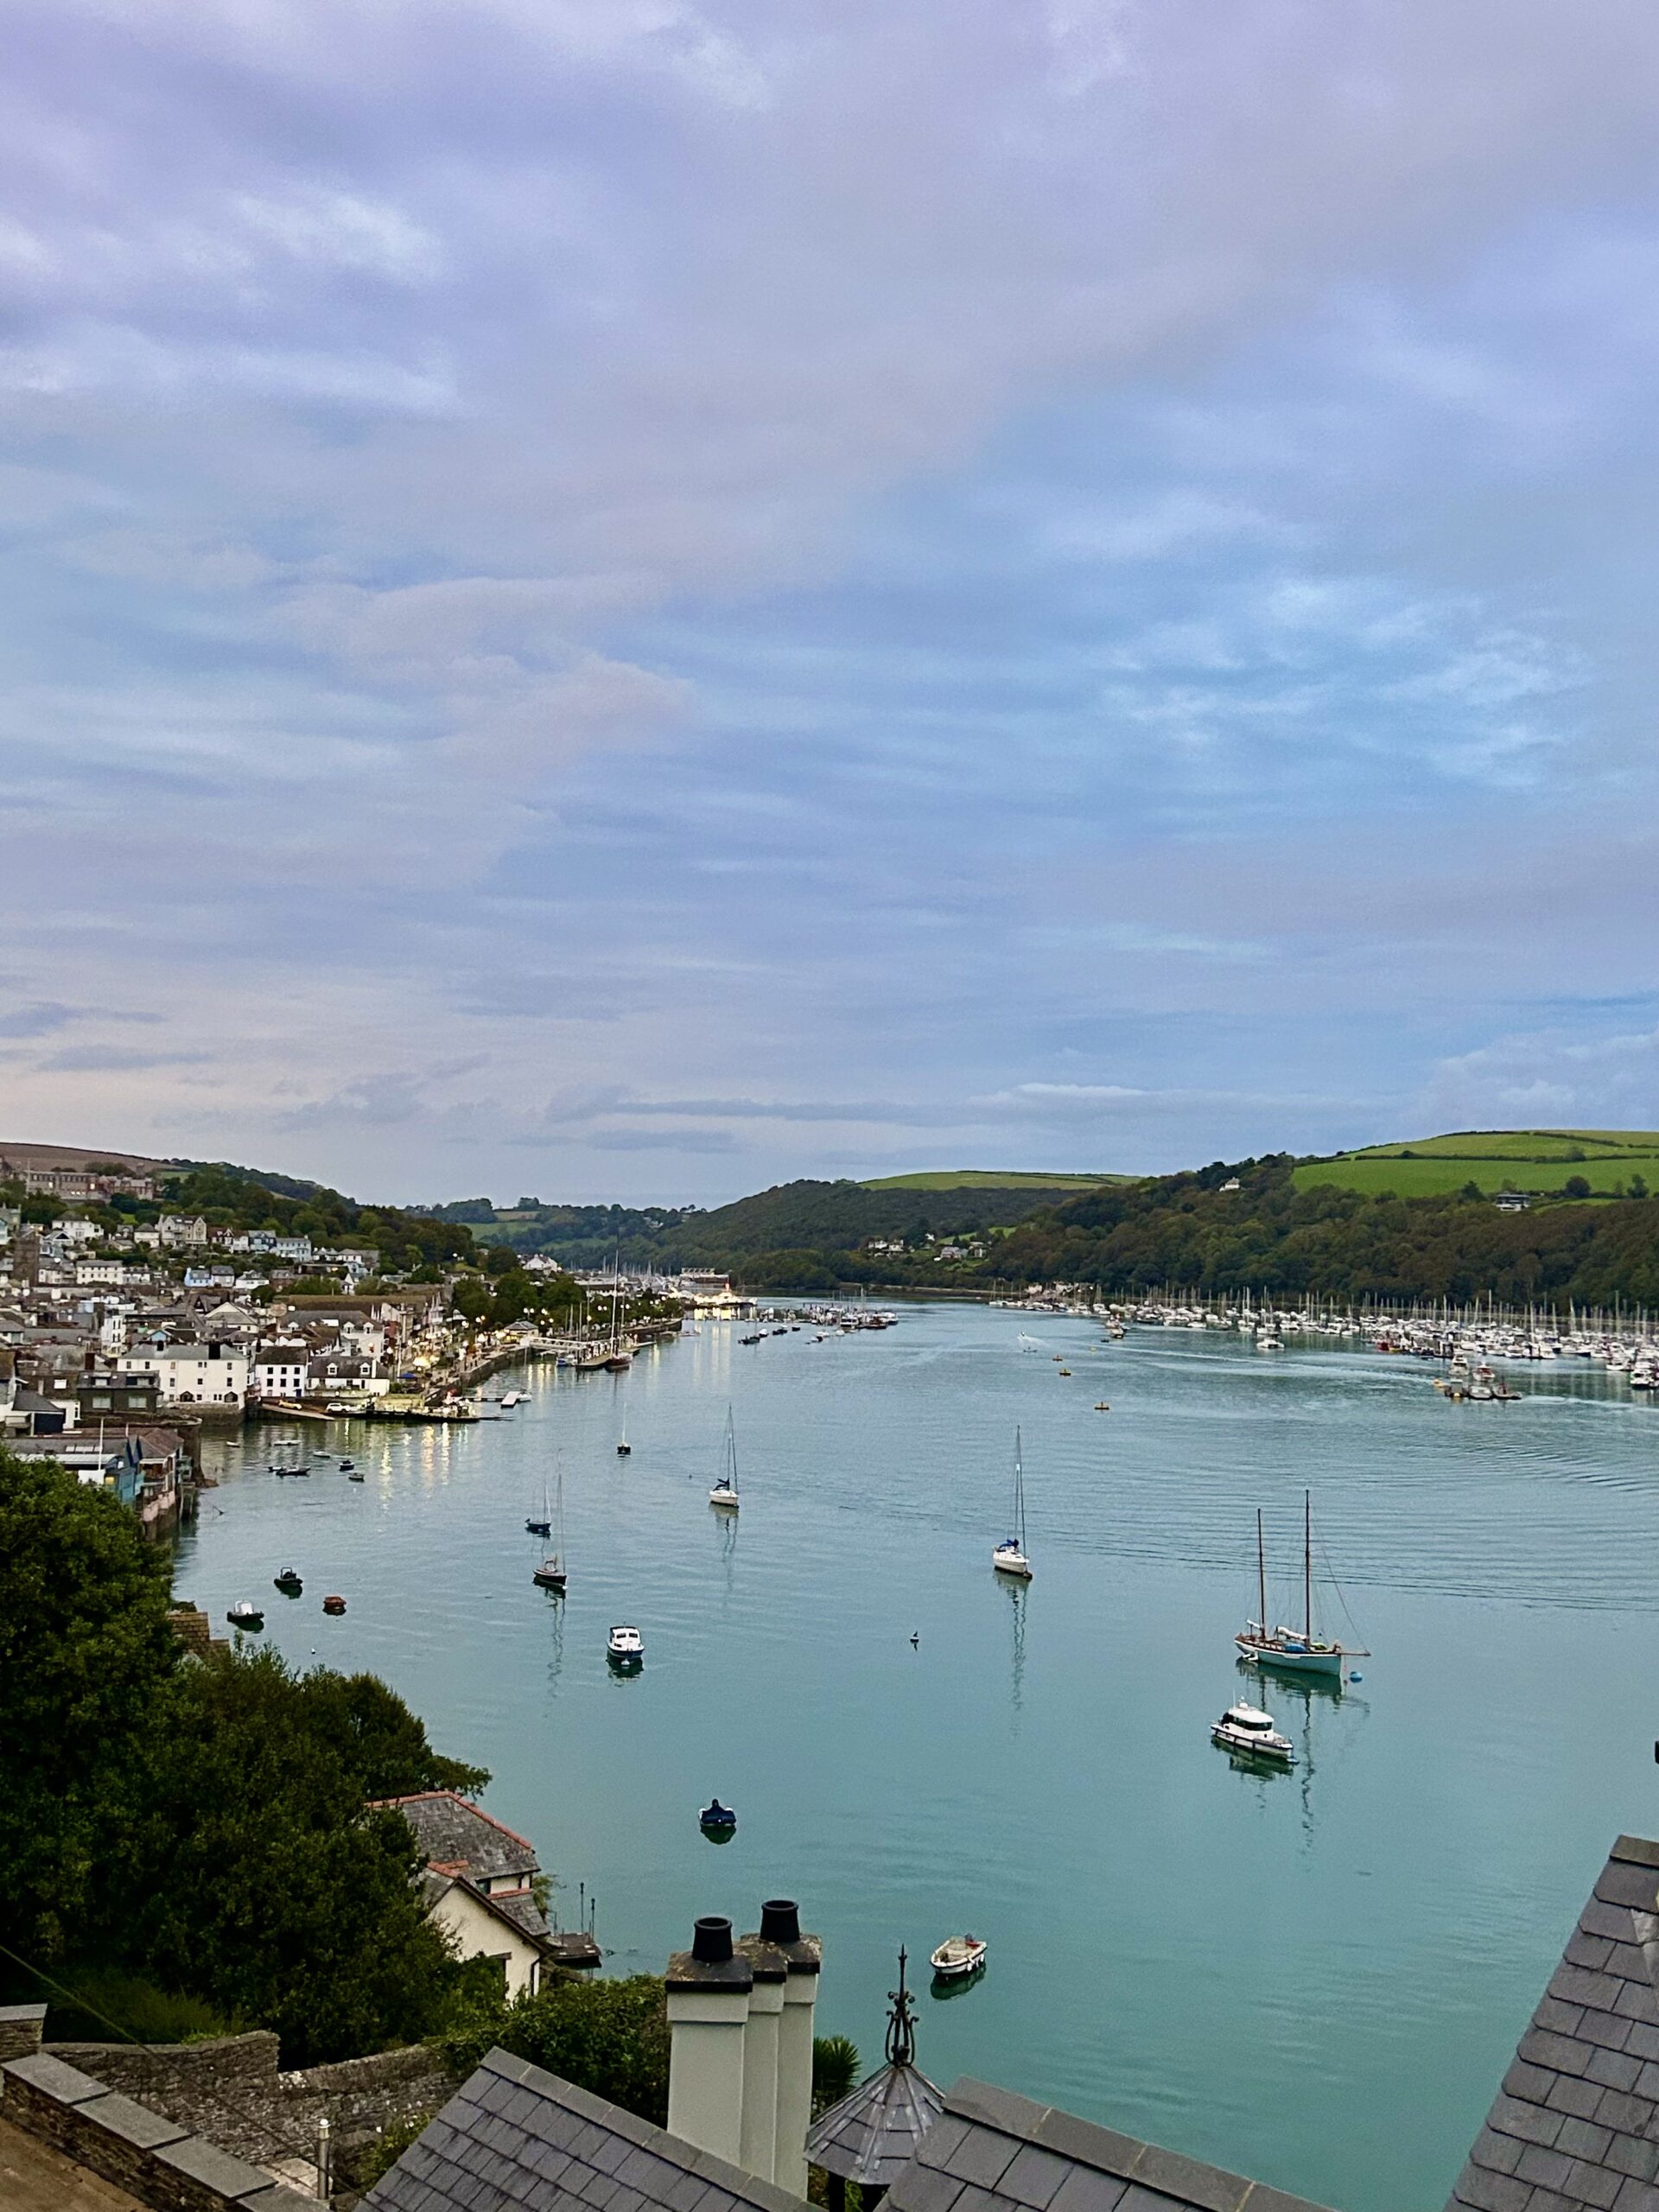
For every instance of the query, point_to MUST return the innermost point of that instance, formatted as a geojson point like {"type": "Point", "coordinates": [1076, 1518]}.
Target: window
{"type": "Point", "coordinates": [501, 1960]}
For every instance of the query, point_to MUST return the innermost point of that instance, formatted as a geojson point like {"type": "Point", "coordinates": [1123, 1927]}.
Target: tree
{"type": "Point", "coordinates": [1638, 1187]}
{"type": "Point", "coordinates": [258, 1880]}
{"type": "Point", "coordinates": [85, 1657]}
{"type": "Point", "coordinates": [836, 2069]}
{"type": "Point", "coordinates": [1576, 1187]}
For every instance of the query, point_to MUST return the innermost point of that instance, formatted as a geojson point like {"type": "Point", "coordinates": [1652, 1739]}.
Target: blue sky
{"type": "Point", "coordinates": [623, 600]}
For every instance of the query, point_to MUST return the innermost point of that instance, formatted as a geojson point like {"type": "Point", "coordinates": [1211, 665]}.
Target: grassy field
{"type": "Point", "coordinates": [1528, 1159]}
{"type": "Point", "coordinates": [990, 1178]}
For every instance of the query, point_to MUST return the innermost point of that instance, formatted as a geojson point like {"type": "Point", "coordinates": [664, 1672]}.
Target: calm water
{"type": "Point", "coordinates": [1317, 1978]}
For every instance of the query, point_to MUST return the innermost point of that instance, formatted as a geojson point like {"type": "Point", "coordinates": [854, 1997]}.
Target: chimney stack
{"type": "Point", "coordinates": [708, 1991]}
{"type": "Point", "coordinates": [803, 1956]}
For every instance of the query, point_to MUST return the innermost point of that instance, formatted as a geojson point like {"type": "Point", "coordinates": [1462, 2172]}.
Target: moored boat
{"type": "Point", "coordinates": [724, 1495]}
{"type": "Point", "coordinates": [1246, 1730]}
{"type": "Point", "coordinates": [1009, 1557]}
{"type": "Point", "coordinates": [245, 1614]}
{"type": "Point", "coordinates": [958, 1956]}
{"type": "Point", "coordinates": [333, 1603]}
{"type": "Point", "coordinates": [1291, 1650]}
{"type": "Point", "coordinates": [716, 1819]}
{"type": "Point", "coordinates": [625, 1648]}
{"type": "Point", "coordinates": [288, 1582]}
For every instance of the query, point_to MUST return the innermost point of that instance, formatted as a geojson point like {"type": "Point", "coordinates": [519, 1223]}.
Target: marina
{"type": "Point", "coordinates": [916, 1743]}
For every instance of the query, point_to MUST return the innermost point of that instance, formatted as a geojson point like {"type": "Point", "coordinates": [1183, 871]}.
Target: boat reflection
{"type": "Point", "coordinates": [1018, 1593]}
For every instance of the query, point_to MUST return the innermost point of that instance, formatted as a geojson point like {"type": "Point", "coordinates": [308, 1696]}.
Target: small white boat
{"type": "Point", "coordinates": [625, 1647]}
{"type": "Point", "coordinates": [245, 1614]}
{"type": "Point", "coordinates": [724, 1493]}
{"type": "Point", "coordinates": [1247, 1729]}
{"type": "Point", "coordinates": [1009, 1557]}
{"type": "Point", "coordinates": [959, 1956]}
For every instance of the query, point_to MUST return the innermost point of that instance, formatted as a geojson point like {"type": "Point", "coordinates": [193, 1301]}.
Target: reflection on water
{"type": "Point", "coordinates": [1261, 1969]}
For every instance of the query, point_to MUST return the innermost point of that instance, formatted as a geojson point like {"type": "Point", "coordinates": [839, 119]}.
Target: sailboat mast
{"type": "Point", "coordinates": [1307, 1561]}
{"type": "Point", "coordinates": [1261, 1574]}
{"type": "Point", "coordinates": [1020, 1489]}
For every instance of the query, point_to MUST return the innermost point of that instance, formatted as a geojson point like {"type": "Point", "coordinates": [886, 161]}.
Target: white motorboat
{"type": "Point", "coordinates": [1246, 1729]}
{"type": "Point", "coordinates": [1009, 1557]}
{"type": "Point", "coordinates": [724, 1493]}
{"type": "Point", "coordinates": [625, 1647]}
{"type": "Point", "coordinates": [959, 1956]}
{"type": "Point", "coordinates": [1293, 1651]}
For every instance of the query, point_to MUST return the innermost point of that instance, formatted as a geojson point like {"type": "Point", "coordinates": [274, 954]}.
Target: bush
{"type": "Point", "coordinates": [609, 2037]}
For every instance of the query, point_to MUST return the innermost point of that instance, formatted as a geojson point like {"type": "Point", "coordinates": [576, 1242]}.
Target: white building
{"type": "Point", "coordinates": [479, 1885]}
{"type": "Point", "coordinates": [196, 1375]}
{"type": "Point", "coordinates": [182, 1229]}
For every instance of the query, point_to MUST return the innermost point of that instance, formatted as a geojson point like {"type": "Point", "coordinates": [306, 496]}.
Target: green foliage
{"type": "Point", "coordinates": [86, 1658]}
{"type": "Point", "coordinates": [104, 2002]}
{"type": "Point", "coordinates": [201, 1826]}
{"type": "Point", "coordinates": [991, 1179]}
{"type": "Point", "coordinates": [358, 2166]}
{"type": "Point", "coordinates": [1576, 1187]}
{"type": "Point", "coordinates": [242, 1197]}
{"type": "Point", "coordinates": [610, 2036]}
{"type": "Point", "coordinates": [1272, 1235]}
{"type": "Point", "coordinates": [835, 2069]}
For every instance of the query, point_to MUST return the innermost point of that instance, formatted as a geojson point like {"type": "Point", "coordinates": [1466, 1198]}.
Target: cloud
{"type": "Point", "coordinates": [879, 563]}
{"type": "Point", "coordinates": [41, 1020]}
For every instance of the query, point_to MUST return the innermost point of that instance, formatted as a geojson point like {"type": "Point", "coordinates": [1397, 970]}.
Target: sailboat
{"type": "Point", "coordinates": [544, 1526]}
{"type": "Point", "coordinates": [1295, 1651]}
{"type": "Point", "coordinates": [724, 1493]}
{"type": "Point", "coordinates": [1009, 1557]}
{"type": "Point", "coordinates": [551, 1573]}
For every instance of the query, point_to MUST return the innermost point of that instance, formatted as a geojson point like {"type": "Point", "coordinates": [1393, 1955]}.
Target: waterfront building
{"type": "Point", "coordinates": [212, 1374]}
{"type": "Point", "coordinates": [478, 1883]}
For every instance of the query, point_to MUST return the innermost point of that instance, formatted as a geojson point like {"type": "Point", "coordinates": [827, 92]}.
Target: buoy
{"type": "Point", "coordinates": [1354, 1675]}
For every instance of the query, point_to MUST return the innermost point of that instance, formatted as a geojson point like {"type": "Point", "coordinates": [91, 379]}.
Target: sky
{"type": "Point", "coordinates": [626, 601]}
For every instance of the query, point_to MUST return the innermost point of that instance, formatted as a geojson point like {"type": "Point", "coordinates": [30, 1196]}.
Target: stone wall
{"type": "Point", "coordinates": [164, 2165]}
{"type": "Point", "coordinates": [20, 2031]}
{"type": "Point", "coordinates": [228, 2087]}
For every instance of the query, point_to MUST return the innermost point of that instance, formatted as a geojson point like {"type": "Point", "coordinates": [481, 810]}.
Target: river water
{"type": "Point", "coordinates": [1314, 1978]}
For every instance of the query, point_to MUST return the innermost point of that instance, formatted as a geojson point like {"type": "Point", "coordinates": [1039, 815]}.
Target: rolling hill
{"type": "Point", "coordinates": [1541, 1161]}
{"type": "Point", "coordinates": [990, 1178]}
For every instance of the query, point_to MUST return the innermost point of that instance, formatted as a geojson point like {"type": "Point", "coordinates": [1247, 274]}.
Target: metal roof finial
{"type": "Point", "coordinates": [901, 2022]}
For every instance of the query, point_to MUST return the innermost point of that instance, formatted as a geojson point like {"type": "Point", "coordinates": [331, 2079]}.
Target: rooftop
{"type": "Point", "coordinates": [993, 2151]}
{"type": "Point", "coordinates": [515, 2139]}
{"type": "Point", "coordinates": [1576, 2122]}
{"type": "Point", "coordinates": [457, 1838]}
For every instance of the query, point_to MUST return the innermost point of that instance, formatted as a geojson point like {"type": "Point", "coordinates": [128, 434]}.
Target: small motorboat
{"type": "Point", "coordinates": [550, 1574]}
{"type": "Point", "coordinates": [1065, 1370]}
{"type": "Point", "coordinates": [716, 1819]}
{"type": "Point", "coordinates": [354, 1475]}
{"type": "Point", "coordinates": [284, 1474]}
{"type": "Point", "coordinates": [346, 1467]}
{"type": "Point", "coordinates": [245, 1614]}
{"type": "Point", "coordinates": [288, 1582]}
{"type": "Point", "coordinates": [1101, 1406]}
{"type": "Point", "coordinates": [333, 1603]}
{"type": "Point", "coordinates": [538, 1528]}
{"type": "Point", "coordinates": [1246, 1730]}
{"type": "Point", "coordinates": [958, 1956]}
{"type": "Point", "coordinates": [624, 1448]}
{"type": "Point", "coordinates": [626, 1648]}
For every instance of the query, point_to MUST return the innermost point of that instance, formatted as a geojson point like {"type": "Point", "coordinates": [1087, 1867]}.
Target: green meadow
{"type": "Point", "coordinates": [990, 1178]}
{"type": "Point", "coordinates": [1524, 1160]}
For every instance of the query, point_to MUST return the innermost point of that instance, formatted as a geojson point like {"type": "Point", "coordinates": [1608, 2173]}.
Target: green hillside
{"type": "Point", "coordinates": [1610, 1162]}
{"type": "Point", "coordinates": [988, 1178]}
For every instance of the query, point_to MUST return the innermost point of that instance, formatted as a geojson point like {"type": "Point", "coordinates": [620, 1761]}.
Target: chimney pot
{"type": "Point", "coordinates": [780, 1921]}
{"type": "Point", "coordinates": [711, 1940]}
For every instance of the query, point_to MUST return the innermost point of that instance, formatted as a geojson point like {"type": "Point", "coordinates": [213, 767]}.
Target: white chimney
{"type": "Point", "coordinates": [771, 1972]}
{"type": "Point", "coordinates": [780, 1926]}
{"type": "Point", "coordinates": [709, 1991]}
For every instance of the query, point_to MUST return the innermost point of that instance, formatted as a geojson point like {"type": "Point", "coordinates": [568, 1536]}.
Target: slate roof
{"type": "Point", "coordinates": [515, 2139]}
{"type": "Point", "coordinates": [457, 1838]}
{"type": "Point", "coordinates": [1576, 2123]}
{"type": "Point", "coordinates": [992, 2152]}
{"type": "Point", "coordinates": [872, 2132]}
